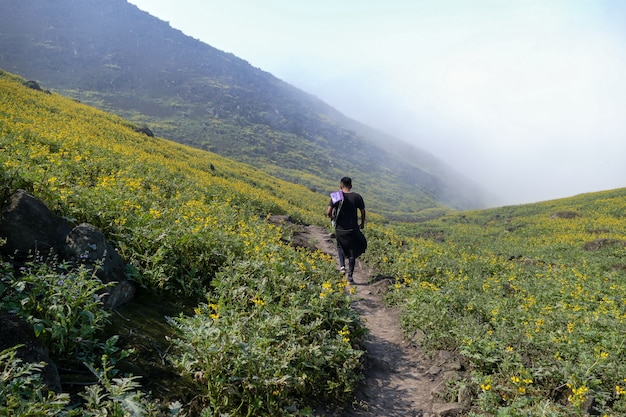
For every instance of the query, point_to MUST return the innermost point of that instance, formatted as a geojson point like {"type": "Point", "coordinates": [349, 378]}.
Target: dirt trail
{"type": "Point", "coordinates": [399, 378]}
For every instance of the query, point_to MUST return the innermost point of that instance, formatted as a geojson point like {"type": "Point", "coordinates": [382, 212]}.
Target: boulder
{"type": "Point", "coordinates": [86, 245]}
{"type": "Point", "coordinates": [16, 331]}
{"type": "Point", "coordinates": [30, 229]}
{"type": "Point", "coordinates": [145, 130]}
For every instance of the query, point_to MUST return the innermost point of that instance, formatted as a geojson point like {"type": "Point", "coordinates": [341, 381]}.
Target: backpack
{"type": "Point", "coordinates": [336, 196]}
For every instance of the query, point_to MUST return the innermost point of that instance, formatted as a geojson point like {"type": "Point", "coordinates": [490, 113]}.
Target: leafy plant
{"type": "Point", "coordinates": [117, 397]}
{"type": "Point", "coordinates": [63, 305]}
{"type": "Point", "coordinates": [22, 392]}
{"type": "Point", "coordinates": [265, 340]}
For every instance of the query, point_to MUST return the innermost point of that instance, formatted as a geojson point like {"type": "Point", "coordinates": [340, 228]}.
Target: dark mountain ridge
{"type": "Point", "coordinates": [119, 58]}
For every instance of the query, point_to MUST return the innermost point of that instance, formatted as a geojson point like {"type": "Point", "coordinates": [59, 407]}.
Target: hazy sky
{"type": "Point", "coordinates": [525, 97]}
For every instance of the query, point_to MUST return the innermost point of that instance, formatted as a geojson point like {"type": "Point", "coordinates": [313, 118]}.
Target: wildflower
{"type": "Point", "coordinates": [154, 213]}
{"type": "Point", "coordinates": [578, 395]}
{"type": "Point", "coordinates": [486, 386]}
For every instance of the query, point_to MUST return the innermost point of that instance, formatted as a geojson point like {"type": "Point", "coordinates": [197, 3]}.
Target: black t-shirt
{"type": "Point", "coordinates": [347, 218]}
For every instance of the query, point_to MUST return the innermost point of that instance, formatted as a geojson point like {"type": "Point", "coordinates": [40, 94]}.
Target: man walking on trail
{"type": "Point", "coordinates": [342, 209]}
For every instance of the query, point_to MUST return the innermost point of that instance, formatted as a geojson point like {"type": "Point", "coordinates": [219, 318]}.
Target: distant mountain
{"type": "Point", "coordinates": [112, 55]}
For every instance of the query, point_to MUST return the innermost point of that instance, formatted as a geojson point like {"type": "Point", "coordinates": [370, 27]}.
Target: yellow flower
{"type": "Point", "coordinates": [578, 395]}
{"type": "Point", "coordinates": [486, 386]}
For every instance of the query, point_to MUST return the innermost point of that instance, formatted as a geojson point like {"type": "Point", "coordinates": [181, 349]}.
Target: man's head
{"type": "Point", "coordinates": [346, 182]}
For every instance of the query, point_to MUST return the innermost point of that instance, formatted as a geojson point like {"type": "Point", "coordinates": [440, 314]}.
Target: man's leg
{"type": "Point", "coordinates": [342, 258]}
{"type": "Point", "coordinates": [351, 262]}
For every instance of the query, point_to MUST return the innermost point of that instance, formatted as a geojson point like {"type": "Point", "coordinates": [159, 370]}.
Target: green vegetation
{"type": "Point", "coordinates": [532, 297]}
{"type": "Point", "coordinates": [272, 332]}
{"type": "Point", "coordinates": [113, 56]}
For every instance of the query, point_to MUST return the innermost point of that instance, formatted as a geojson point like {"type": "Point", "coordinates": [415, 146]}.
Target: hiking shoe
{"type": "Point", "coordinates": [343, 269]}
{"type": "Point", "coordinates": [350, 279]}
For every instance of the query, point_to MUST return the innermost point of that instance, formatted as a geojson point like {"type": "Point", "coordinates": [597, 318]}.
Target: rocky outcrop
{"type": "Point", "coordinates": [16, 331]}
{"type": "Point", "coordinates": [145, 130]}
{"type": "Point", "coordinates": [86, 245]}
{"type": "Point", "coordinates": [30, 229]}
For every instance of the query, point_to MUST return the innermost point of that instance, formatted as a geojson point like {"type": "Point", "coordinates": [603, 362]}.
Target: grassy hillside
{"type": "Point", "coordinates": [269, 325]}
{"type": "Point", "coordinates": [120, 59]}
{"type": "Point", "coordinates": [532, 297]}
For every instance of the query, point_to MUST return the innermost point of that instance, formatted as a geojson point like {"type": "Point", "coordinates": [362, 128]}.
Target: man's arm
{"type": "Point", "coordinates": [362, 225]}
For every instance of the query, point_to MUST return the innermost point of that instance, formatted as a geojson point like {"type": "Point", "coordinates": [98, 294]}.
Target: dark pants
{"type": "Point", "coordinates": [342, 259]}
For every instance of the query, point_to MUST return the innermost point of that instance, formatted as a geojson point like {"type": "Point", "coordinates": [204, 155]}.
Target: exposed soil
{"type": "Point", "coordinates": [400, 380]}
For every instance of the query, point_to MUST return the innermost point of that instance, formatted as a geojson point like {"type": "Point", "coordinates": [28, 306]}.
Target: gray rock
{"type": "Point", "coordinates": [16, 331]}
{"type": "Point", "coordinates": [31, 229]}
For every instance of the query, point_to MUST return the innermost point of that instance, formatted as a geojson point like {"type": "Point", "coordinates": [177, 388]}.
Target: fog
{"type": "Point", "coordinates": [526, 98]}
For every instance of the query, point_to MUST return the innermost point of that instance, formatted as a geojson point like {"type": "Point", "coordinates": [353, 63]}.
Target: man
{"type": "Point", "coordinates": [342, 209]}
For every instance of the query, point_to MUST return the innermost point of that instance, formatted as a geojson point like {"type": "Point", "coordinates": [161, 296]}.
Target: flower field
{"type": "Point", "coordinates": [533, 298]}
{"type": "Point", "coordinates": [272, 332]}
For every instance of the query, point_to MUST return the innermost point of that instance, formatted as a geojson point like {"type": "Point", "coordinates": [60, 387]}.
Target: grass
{"type": "Point", "coordinates": [532, 297]}
{"type": "Point", "coordinates": [192, 226]}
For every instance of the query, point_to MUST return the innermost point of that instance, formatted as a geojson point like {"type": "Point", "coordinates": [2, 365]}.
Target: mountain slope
{"type": "Point", "coordinates": [112, 55]}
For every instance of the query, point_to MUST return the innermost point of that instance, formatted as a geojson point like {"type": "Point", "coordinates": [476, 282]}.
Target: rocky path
{"type": "Point", "coordinates": [399, 379]}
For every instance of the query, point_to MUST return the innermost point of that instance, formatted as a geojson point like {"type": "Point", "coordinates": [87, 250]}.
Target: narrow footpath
{"type": "Point", "coordinates": [400, 381]}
